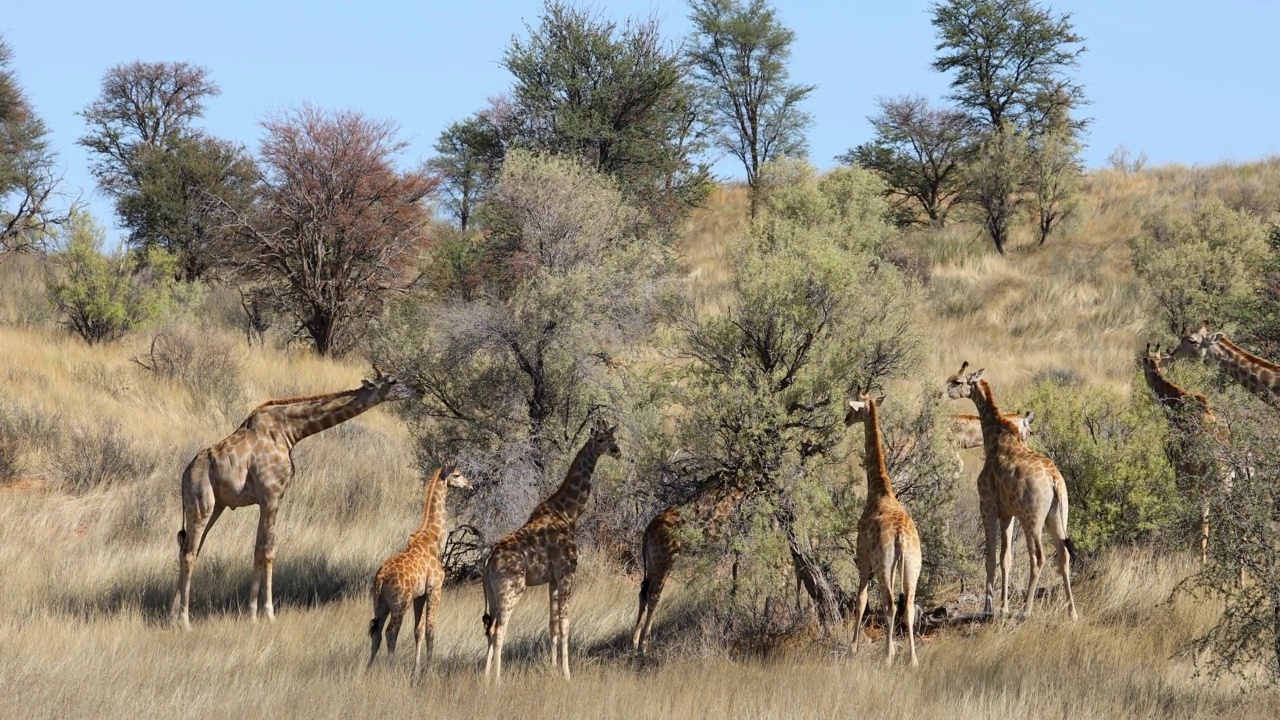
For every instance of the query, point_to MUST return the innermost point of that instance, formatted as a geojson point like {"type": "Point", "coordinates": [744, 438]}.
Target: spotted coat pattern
{"type": "Point", "coordinates": [414, 576]}
{"type": "Point", "coordinates": [1019, 483]}
{"type": "Point", "coordinates": [253, 466]}
{"type": "Point", "coordinates": [543, 552]}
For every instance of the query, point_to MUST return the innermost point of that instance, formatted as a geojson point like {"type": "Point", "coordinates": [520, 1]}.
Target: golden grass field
{"type": "Point", "coordinates": [86, 577]}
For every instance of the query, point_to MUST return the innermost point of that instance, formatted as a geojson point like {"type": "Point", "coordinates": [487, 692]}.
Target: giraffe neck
{"type": "Point", "coordinates": [878, 482]}
{"type": "Point", "coordinates": [1256, 375]}
{"type": "Point", "coordinates": [306, 418]}
{"type": "Point", "coordinates": [570, 499]}
{"type": "Point", "coordinates": [432, 526]}
{"type": "Point", "coordinates": [1167, 393]}
{"type": "Point", "coordinates": [994, 424]}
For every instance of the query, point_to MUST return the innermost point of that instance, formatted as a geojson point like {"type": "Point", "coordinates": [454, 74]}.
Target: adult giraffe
{"type": "Point", "coordinates": [253, 466]}
{"type": "Point", "coordinates": [1258, 376]}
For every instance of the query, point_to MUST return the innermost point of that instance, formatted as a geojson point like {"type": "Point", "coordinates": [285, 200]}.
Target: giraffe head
{"type": "Point", "coordinates": [1024, 424]}
{"type": "Point", "coordinates": [453, 477]}
{"type": "Point", "coordinates": [860, 408]}
{"type": "Point", "coordinates": [961, 384]}
{"type": "Point", "coordinates": [1198, 343]}
{"type": "Point", "coordinates": [602, 436]}
{"type": "Point", "coordinates": [1152, 359]}
{"type": "Point", "coordinates": [385, 388]}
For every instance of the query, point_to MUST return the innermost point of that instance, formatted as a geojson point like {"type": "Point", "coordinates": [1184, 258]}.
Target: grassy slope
{"type": "Point", "coordinates": [86, 578]}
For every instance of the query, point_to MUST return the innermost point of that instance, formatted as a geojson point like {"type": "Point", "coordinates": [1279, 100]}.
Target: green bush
{"type": "Point", "coordinates": [1201, 265]}
{"type": "Point", "coordinates": [1110, 449]}
{"type": "Point", "coordinates": [102, 296]}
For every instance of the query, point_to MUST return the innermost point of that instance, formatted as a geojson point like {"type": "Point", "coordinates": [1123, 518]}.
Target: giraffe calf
{"type": "Point", "coordinates": [414, 576]}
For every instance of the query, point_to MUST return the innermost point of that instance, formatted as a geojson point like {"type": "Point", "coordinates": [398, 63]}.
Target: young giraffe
{"type": "Point", "coordinates": [968, 428]}
{"type": "Point", "coordinates": [1015, 482]}
{"type": "Point", "coordinates": [1258, 376]}
{"type": "Point", "coordinates": [709, 508]}
{"type": "Point", "coordinates": [1189, 417]}
{"type": "Point", "coordinates": [253, 466]}
{"type": "Point", "coordinates": [414, 575]}
{"type": "Point", "coordinates": [888, 543]}
{"type": "Point", "coordinates": [543, 551]}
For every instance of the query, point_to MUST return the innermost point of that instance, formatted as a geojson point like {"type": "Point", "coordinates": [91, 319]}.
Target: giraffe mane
{"type": "Point", "coordinates": [1253, 359]}
{"type": "Point", "coordinates": [303, 398]}
{"type": "Point", "coordinates": [1002, 418]}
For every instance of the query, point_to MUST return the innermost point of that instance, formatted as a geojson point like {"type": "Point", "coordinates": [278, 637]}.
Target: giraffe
{"type": "Point", "coordinates": [253, 466]}
{"type": "Point", "coordinates": [1258, 376]}
{"type": "Point", "coordinates": [708, 509]}
{"type": "Point", "coordinates": [888, 543]}
{"type": "Point", "coordinates": [1189, 416]}
{"type": "Point", "coordinates": [414, 575]}
{"type": "Point", "coordinates": [1015, 482]}
{"type": "Point", "coordinates": [543, 552]}
{"type": "Point", "coordinates": [968, 428]}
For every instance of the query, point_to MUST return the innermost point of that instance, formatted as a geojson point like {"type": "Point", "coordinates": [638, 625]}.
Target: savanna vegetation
{"type": "Point", "coordinates": [567, 256]}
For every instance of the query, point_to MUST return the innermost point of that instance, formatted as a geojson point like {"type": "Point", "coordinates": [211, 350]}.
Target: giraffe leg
{"type": "Point", "coordinates": [393, 631]}
{"type": "Point", "coordinates": [864, 583]}
{"type": "Point", "coordinates": [910, 576]}
{"type": "Point", "coordinates": [266, 516]}
{"type": "Point", "coordinates": [651, 604]}
{"type": "Point", "coordinates": [991, 522]}
{"type": "Point", "coordinates": [187, 552]}
{"type": "Point", "coordinates": [429, 621]}
{"type": "Point", "coordinates": [884, 576]}
{"type": "Point", "coordinates": [375, 630]}
{"type": "Point", "coordinates": [419, 632]}
{"type": "Point", "coordinates": [1006, 560]}
{"type": "Point", "coordinates": [553, 620]}
{"type": "Point", "coordinates": [1060, 544]}
{"type": "Point", "coordinates": [566, 594]}
{"type": "Point", "coordinates": [1035, 564]}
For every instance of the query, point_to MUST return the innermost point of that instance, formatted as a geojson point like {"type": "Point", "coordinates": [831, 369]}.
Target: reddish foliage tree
{"type": "Point", "coordinates": [335, 224]}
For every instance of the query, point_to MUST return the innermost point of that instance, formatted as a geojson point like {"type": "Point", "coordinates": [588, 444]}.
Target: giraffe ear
{"type": "Point", "coordinates": [977, 375]}
{"type": "Point", "coordinates": [880, 400]}
{"type": "Point", "coordinates": [1030, 416]}
{"type": "Point", "coordinates": [1217, 337]}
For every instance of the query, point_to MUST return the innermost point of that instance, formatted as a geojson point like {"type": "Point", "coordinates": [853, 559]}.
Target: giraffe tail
{"type": "Point", "coordinates": [1060, 500]}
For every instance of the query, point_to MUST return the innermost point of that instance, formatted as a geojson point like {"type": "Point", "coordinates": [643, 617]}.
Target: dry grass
{"type": "Point", "coordinates": [87, 569]}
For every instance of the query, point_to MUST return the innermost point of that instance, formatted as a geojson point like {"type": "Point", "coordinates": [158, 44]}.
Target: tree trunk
{"type": "Point", "coordinates": [814, 578]}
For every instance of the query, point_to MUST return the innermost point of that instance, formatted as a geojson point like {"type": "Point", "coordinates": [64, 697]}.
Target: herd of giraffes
{"type": "Point", "coordinates": [253, 466]}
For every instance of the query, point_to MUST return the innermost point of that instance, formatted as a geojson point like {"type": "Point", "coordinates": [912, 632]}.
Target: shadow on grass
{"type": "Point", "coordinates": [220, 586]}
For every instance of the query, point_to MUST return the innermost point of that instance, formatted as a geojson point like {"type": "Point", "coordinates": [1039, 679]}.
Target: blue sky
{"type": "Point", "coordinates": [1184, 81]}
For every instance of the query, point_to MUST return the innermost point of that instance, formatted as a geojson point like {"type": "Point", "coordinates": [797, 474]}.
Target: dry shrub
{"type": "Point", "coordinates": [22, 432]}
{"type": "Point", "coordinates": [207, 363]}
{"type": "Point", "coordinates": [97, 457]}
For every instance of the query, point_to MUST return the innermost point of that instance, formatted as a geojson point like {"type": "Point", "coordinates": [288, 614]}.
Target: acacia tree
{"type": "Point", "coordinates": [617, 97]}
{"type": "Point", "coordinates": [1010, 61]}
{"type": "Point", "coordinates": [513, 375]}
{"type": "Point", "coordinates": [469, 155]}
{"type": "Point", "coordinates": [164, 173]}
{"type": "Point", "coordinates": [334, 224]}
{"type": "Point", "coordinates": [1054, 178]}
{"type": "Point", "coordinates": [28, 175]}
{"type": "Point", "coordinates": [918, 151]}
{"type": "Point", "coordinates": [739, 53]}
{"type": "Point", "coordinates": [815, 315]}
{"type": "Point", "coordinates": [996, 180]}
